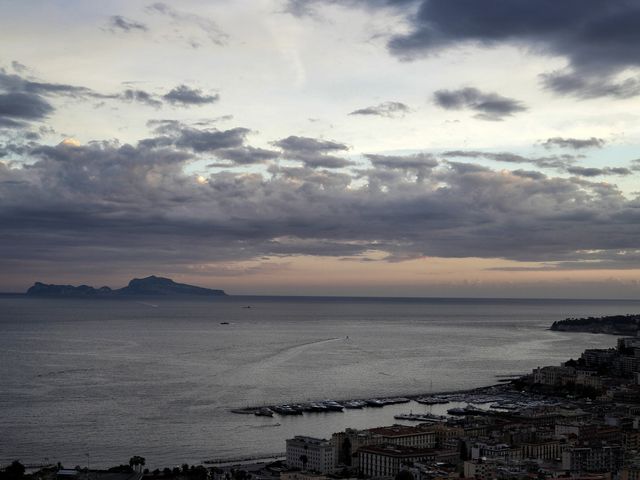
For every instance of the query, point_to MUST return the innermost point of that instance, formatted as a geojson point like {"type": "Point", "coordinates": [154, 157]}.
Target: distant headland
{"type": "Point", "coordinates": [148, 286]}
{"type": "Point", "coordinates": [612, 325]}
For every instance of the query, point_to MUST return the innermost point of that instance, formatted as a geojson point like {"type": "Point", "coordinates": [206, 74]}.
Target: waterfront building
{"type": "Point", "coordinates": [309, 453]}
{"type": "Point", "coordinates": [346, 444]}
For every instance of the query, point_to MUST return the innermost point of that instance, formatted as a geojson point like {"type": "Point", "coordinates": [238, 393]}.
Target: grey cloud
{"type": "Point", "coordinates": [598, 38]}
{"type": "Point", "coordinates": [122, 24]}
{"type": "Point", "coordinates": [595, 172]}
{"type": "Point", "coordinates": [313, 152]}
{"type": "Point", "coordinates": [309, 145]}
{"type": "Point", "coordinates": [247, 155]}
{"type": "Point", "coordinates": [385, 109]}
{"type": "Point", "coordinates": [226, 144]}
{"type": "Point", "coordinates": [23, 106]}
{"type": "Point", "coordinates": [324, 161]}
{"type": "Point", "coordinates": [574, 143]}
{"type": "Point", "coordinates": [186, 96]}
{"type": "Point", "coordinates": [210, 140]}
{"type": "Point", "coordinates": [140, 96]}
{"type": "Point", "coordinates": [580, 85]}
{"type": "Point", "coordinates": [9, 123]}
{"type": "Point", "coordinates": [416, 161]}
{"type": "Point", "coordinates": [16, 83]}
{"type": "Point", "coordinates": [533, 175]}
{"type": "Point", "coordinates": [489, 106]}
{"type": "Point", "coordinates": [111, 206]}
{"type": "Point", "coordinates": [553, 161]}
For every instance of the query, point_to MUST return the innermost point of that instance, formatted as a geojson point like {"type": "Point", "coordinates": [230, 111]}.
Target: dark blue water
{"type": "Point", "coordinates": [114, 378]}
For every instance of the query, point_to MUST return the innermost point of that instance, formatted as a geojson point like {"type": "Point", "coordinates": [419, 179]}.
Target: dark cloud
{"type": "Point", "coordinates": [533, 175]}
{"type": "Point", "coordinates": [140, 96]}
{"type": "Point", "coordinates": [385, 109]}
{"type": "Point", "coordinates": [9, 123]}
{"type": "Point", "coordinates": [186, 96]}
{"type": "Point", "coordinates": [122, 24]}
{"type": "Point", "coordinates": [574, 143]}
{"type": "Point", "coordinates": [489, 106]}
{"type": "Point", "coordinates": [598, 38]}
{"type": "Point", "coordinates": [23, 106]}
{"type": "Point", "coordinates": [309, 145]}
{"type": "Point", "coordinates": [210, 140]}
{"type": "Point", "coordinates": [582, 86]}
{"type": "Point", "coordinates": [313, 152]}
{"type": "Point", "coordinates": [246, 155]}
{"type": "Point", "coordinates": [553, 161]}
{"type": "Point", "coordinates": [16, 83]}
{"type": "Point", "coordinates": [225, 144]}
{"type": "Point", "coordinates": [415, 162]}
{"type": "Point", "coordinates": [595, 172]}
{"type": "Point", "coordinates": [112, 207]}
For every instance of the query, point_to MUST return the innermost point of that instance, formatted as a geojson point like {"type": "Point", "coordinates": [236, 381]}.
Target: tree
{"type": "Point", "coordinates": [14, 471]}
{"type": "Point", "coordinates": [137, 461]}
{"type": "Point", "coordinates": [304, 459]}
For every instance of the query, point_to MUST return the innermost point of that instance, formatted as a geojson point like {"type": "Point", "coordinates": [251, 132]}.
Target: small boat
{"type": "Point", "coordinates": [224, 323]}
{"type": "Point", "coordinates": [354, 404]}
{"type": "Point", "coordinates": [333, 406]}
{"type": "Point", "coordinates": [317, 407]}
{"type": "Point", "coordinates": [374, 402]}
{"type": "Point", "coordinates": [286, 410]}
{"type": "Point", "coordinates": [264, 412]}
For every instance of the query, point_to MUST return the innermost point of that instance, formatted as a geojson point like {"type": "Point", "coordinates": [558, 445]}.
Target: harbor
{"type": "Point", "coordinates": [484, 401]}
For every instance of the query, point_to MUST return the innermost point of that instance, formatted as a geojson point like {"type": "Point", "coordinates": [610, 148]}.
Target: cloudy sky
{"type": "Point", "coordinates": [334, 147]}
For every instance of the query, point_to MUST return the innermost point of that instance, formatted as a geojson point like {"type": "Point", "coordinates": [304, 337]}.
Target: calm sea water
{"type": "Point", "coordinates": [114, 378]}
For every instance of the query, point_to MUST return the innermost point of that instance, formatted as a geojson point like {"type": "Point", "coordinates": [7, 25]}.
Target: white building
{"type": "Point", "coordinates": [308, 453]}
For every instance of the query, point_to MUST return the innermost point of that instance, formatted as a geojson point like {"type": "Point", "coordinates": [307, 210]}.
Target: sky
{"type": "Point", "coordinates": [456, 148]}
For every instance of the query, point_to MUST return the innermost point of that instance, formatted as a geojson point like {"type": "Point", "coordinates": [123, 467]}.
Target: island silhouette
{"type": "Point", "coordinates": [148, 286]}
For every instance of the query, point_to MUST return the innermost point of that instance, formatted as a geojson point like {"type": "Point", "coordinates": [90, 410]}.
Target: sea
{"type": "Point", "coordinates": [96, 381]}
